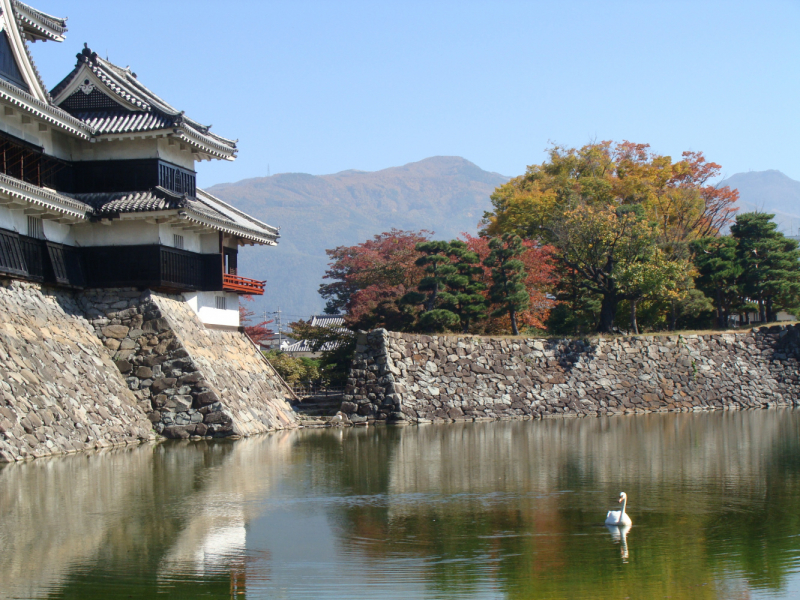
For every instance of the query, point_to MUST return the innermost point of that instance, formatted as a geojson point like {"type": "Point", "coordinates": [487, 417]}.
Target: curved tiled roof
{"type": "Point", "coordinates": [39, 24]}
{"type": "Point", "coordinates": [121, 121]}
{"type": "Point", "coordinates": [39, 196]}
{"type": "Point", "coordinates": [111, 203]}
{"type": "Point", "coordinates": [124, 86]}
{"type": "Point", "coordinates": [205, 209]}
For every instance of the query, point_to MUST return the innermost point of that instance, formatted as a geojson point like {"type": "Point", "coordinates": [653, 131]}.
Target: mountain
{"type": "Point", "coordinates": [771, 192]}
{"type": "Point", "coordinates": [445, 194]}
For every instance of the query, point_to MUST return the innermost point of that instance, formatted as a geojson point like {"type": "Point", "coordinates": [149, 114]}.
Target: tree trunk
{"type": "Point", "coordinates": [771, 316]}
{"type": "Point", "coordinates": [513, 315]}
{"type": "Point", "coordinates": [608, 311]}
{"type": "Point", "coordinates": [762, 314]}
{"type": "Point", "coordinates": [722, 322]}
{"type": "Point", "coordinates": [634, 325]}
{"type": "Point", "coordinates": [673, 316]}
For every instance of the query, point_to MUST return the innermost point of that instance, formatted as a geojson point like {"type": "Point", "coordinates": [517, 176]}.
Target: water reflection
{"type": "Point", "coordinates": [619, 533]}
{"type": "Point", "coordinates": [494, 510]}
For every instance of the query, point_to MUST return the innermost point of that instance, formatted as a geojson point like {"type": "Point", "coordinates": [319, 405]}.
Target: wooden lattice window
{"type": "Point", "coordinates": [35, 228]}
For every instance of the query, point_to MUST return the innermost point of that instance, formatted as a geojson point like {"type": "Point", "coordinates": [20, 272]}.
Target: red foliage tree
{"type": "Point", "coordinates": [540, 278]}
{"type": "Point", "coordinates": [382, 263]}
{"type": "Point", "coordinates": [258, 332]}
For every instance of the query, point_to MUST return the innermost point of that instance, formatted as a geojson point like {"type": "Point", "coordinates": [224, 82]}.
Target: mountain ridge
{"type": "Point", "coordinates": [444, 194]}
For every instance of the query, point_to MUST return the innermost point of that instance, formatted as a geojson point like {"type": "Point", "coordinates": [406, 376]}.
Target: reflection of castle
{"type": "Point", "coordinates": [182, 512]}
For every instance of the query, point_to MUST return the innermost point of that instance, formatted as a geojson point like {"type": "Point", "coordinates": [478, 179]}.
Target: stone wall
{"type": "Point", "coordinates": [59, 391]}
{"type": "Point", "coordinates": [418, 378]}
{"type": "Point", "coordinates": [188, 380]}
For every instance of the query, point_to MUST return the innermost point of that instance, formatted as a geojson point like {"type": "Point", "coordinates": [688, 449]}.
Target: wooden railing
{"type": "Point", "coordinates": [242, 285]}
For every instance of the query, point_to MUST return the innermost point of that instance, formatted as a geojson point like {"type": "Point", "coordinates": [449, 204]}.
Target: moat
{"type": "Point", "coordinates": [474, 510]}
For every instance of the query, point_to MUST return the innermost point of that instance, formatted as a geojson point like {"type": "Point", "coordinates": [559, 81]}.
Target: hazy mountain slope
{"type": "Point", "coordinates": [772, 192]}
{"type": "Point", "coordinates": [445, 194]}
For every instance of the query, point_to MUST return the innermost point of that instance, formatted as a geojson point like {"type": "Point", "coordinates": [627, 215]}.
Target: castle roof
{"type": "Point", "coordinates": [205, 211]}
{"type": "Point", "coordinates": [37, 25]}
{"type": "Point", "coordinates": [111, 101]}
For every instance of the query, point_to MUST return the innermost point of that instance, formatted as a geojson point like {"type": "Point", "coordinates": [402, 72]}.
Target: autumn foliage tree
{"type": "Point", "coordinates": [367, 280]}
{"type": "Point", "coordinates": [573, 201]}
{"type": "Point", "coordinates": [402, 281]}
{"type": "Point", "coordinates": [258, 332]}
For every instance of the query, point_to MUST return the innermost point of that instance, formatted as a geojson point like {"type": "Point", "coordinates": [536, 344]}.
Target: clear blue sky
{"type": "Point", "coordinates": [323, 86]}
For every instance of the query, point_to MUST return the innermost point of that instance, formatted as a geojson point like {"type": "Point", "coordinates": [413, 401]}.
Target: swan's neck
{"type": "Point", "coordinates": [624, 504]}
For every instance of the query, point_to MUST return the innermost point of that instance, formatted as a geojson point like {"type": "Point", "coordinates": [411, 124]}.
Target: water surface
{"type": "Point", "coordinates": [479, 510]}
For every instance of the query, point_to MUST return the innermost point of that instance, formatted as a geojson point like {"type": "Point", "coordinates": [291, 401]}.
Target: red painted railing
{"type": "Point", "coordinates": [242, 285]}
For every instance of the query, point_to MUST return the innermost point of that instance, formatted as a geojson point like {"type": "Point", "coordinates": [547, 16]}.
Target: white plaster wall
{"type": "Point", "coordinates": [209, 243]}
{"type": "Point", "coordinates": [204, 305]}
{"type": "Point", "coordinates": [116, 233]}
{"type": "Point", "coordinates": [171, 152]}
{"type": "Point", "coordinates": [128, 149]}
{"type": "Point", "coordinates": [16, 220]}
{"type": "Point", "coordinates": [13, 220]}
{"type": "Point", "coordinates": [54, 142]}
{"type": "Point", "coordinates": [58, 232]}
{"type": "Point", "coordinates": [191, 239]}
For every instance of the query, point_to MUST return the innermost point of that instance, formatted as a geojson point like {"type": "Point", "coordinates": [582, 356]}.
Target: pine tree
{"type": "Point", "coordinates": [438, 268]}
{"type": "Point", "coordinates": [463, 296]}
{"type": "Point", "coordinates": [508, 277]}
{"type": "Point", "coordinates": [771, 271]}
{"type": "Point", "coordinates": [719, 274]}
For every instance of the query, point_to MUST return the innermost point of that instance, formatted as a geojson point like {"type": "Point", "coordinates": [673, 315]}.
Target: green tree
{"type": "Point", "coordinates": [769, 263]}
{"type": "Point", "coordinates": [508, 277]}
{"type": "Point", "coordinates": [719, 274]}
{"type": "Point", "coordinates": [463, 297]}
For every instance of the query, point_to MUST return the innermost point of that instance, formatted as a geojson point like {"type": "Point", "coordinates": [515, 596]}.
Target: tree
{"type": "Point", "coordinates": [293, 370]}
{"type": "Point", "coordinates": [719, 274]}
{"type": "Point", "coordinates": [258, 332]}
{"type": "Point", "coordinates": [769, 263]}
{"type": "Point", "coordinates": [336, 346]}
{"type": "Point", "coordinates": [615, 255]}
{"type": "Point", "coordinates": [674, 202]}
{"type": "Point", "coordinates": [386, 261]}
{"type": "Point", "coordinates": [540, 279]}
{"type": "Point", "coordinates": [463, 296]}
{"type": "Point", "coordinates": [508, 277]}
{"type": "Point", "coordinates": [675, 196]}
{"type": "Point", "coordinates": [654, 277]}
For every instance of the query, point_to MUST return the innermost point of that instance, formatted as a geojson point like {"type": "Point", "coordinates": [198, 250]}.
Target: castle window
{"type": "Point", "coordinates": [35, 228]}
{"type": "Point", "coordinates": [221, 302]}
{"type": "Point", "coordinates": [177, 241]}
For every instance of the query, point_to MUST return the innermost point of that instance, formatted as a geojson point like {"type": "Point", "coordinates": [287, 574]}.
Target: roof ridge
{"type": "Point", "coordinates": [237, 211]}
{"type": "Point", "coordinates": [54, 22]}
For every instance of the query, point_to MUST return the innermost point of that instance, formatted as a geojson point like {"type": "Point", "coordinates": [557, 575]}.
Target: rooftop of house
{"type": "Point", "coordinates": [333, 321]}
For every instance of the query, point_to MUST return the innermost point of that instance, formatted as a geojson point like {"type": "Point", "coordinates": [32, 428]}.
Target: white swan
{"type": "Point", "coordinates": [619, 517]}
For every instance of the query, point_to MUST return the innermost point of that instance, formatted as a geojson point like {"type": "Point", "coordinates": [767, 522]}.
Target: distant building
{"type": "Point", "coordinates": [97, 182]}
{"type": "Point", "coordinates": [303, 347]}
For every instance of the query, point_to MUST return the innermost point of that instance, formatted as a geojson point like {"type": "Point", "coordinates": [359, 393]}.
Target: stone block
{"type": "Point", "coordinates": [115, 331]}
{"type": "Point", "coordinates": [176, 432]}
{"type": "Point", "coordinates": [179, 403]}
{"type": "Point", "coordinates": [206, 398]}
{"type": "Point", "coordinates": [164, 383]}
{"type": "Point", "coordinates": [124, 366]}
{"type": "Point", "coordinates": [144, 373]}
{"type": "Point", "coordinates": [216, 418]}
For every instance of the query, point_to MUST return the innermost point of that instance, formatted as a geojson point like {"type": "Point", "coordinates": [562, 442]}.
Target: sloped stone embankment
{"type": "Point", "coordinates": [102, 368]}
{"type": "Point", "coordinates": [188, 380]}
{"type": "Point", "coordinates": [419, 378]}
{"type": "Point", "coordinates": [59, 391]}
